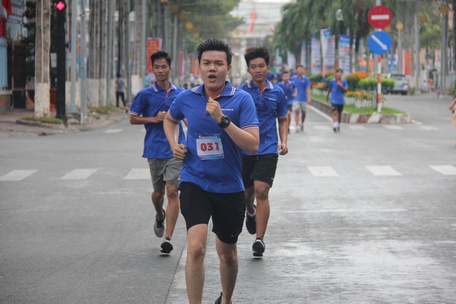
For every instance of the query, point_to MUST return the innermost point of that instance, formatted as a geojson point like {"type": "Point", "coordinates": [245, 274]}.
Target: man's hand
{"type": "Point", "coordinates": [179, 151]}
{"type": "Point", "coordinates": [283, 149]}
{"type": "Point", "coordinates": [160, 116]}
{"type": "Point", "coordinates": [213, 108]}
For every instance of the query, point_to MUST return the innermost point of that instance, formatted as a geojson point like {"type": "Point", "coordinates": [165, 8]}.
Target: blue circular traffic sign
{"type": "Point", "coordinates": [379, 42]}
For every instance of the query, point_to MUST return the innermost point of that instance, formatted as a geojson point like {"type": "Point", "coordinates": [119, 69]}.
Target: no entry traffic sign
{"type": "Point", "coordinates": [379, 16]}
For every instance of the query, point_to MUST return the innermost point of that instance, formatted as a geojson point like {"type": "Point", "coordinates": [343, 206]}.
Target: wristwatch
{"type": "Point", "coordinates": [225, 122]}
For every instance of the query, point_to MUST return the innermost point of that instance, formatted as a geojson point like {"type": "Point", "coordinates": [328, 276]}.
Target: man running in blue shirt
{"type": "Point", "coordinates": [258, 170]}
{"type": "Point", "coordinates": [337, 88]}
{"type": "Point", "coordinates": [222, 122]}
{"type": "Point", "coordinates": [290, 91]}
{"type": "Point", "coordinates": [302, 83]}
{"type": "Point", "coordinates": [149, 108]}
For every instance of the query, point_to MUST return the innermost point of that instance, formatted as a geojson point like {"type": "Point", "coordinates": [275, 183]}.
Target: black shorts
{"type": "Point", "coordinates": [259, 167]}
{"type": "Point", "coordinates": [337, 107]}
{"type": "Point", "coordinates": [227, 210]}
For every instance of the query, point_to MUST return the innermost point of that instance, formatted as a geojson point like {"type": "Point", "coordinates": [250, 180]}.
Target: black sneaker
{"type": "Point", "coordinates": [250, 223]}
{"type": "Point", "coordinates": [335, 130]}
{"type": "Point", "coordinates": [258, 248]}
{"type": "Point", "coordinates": [166, 246]}
{"type": "Point", "coordinates": [159, 227]}
{"type": "Point", "coordinates": [219, 300]}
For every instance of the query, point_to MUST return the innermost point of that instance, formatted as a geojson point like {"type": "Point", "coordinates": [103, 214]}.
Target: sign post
{"type": "Point", "coordinates": [379, 42]}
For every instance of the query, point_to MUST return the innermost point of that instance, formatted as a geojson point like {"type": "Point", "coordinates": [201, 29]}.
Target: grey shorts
{"type": "Point", "coordinates": [164, 170]}
{"type": "Point", "coordinates": [300, 105]}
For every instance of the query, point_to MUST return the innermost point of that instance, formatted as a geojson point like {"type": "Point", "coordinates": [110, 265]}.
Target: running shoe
{"type": "Point", "coordinates": [219, 300]}
{"type": "Point", "coordinates": [159, 227]}
{"type": "Point", "coordinates": [250, 223]}
{"type": "Point", "coordinates": [302, 127]}
{"type": "Point", "coordinates": [166, 246]}
{"type": "Point", "coordinates": [335, 130]}
{"type": "Point", "coordinates": [258, 248]}
{"type": "Point", "coordinates": [338, 129]}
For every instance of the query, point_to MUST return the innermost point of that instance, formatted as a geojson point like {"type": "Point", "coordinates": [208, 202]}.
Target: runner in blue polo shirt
{"type": "Point", "coordinates": [302, 83]}
{"type": "Point", "coordinates": [222, 122]}
{"type": "Point", "coordinates": [149, 108]}
{"type": "Point", "coordinates": [290, 91]}
{"type": "Point", "coordinates": [337, 88]}
{"type": "Point", "coordinates": [258, 170]}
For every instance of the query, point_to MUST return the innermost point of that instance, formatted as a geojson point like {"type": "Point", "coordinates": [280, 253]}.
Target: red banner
{"type": "Point", "coordinates": [153, 45]}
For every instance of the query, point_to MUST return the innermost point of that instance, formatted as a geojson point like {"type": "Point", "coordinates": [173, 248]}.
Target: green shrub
{"type": "Point", "coordinates": [49, 120]}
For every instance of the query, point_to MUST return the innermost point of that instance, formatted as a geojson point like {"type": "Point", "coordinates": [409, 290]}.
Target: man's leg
{"type": "Point", "coordinates": [263, 208]}
{"type": "Point", "coordinates": [249, 199]}
{"type": "Point", "coordinates": [297, 119]}
{"type": "Point", "coordinates": [194, 266]}
{"type": "Point", "coordinates": [172, 210]}
{"type": "Point", "coordinates": [334, 115]}
{"type": "Point", "coordinates": [228, 268]}
{"type": "Point", "coordinates": [157, 201]}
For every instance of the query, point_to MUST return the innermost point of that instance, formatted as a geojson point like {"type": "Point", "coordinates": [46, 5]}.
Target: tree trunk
{"type": "Point", "coordinates": [94, 49]}
{"type": "Point", "coordinates": [43, 43]}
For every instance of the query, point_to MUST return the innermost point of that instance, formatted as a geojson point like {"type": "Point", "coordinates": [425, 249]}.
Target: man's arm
{"type": "Point", "coordinates": [283, 135]}
{"type": "Point", "coordinates": [171, 128]}
{"type": "Point", "coordinates": [248, 139]}
{"type": "Point", "coordinates": [308, 94]}
{"type": "Point", "coordinates": [139, 120]}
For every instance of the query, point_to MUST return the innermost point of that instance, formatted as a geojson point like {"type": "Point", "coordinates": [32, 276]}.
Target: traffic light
{"type": "Point", "coordinates": [60, 8]}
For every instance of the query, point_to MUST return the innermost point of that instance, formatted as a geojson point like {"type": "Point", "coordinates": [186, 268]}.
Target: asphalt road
{"type": "Point", "coordinates": [367, 215]}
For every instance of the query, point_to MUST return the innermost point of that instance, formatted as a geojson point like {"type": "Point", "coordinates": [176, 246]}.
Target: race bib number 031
{"type": "Point", "coordinates": [209, 147]}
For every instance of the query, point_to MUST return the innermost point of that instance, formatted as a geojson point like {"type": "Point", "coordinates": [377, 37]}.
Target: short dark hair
{"type": "Point", "coordinates": [160, 55]}
{"type": "Point", "coordinates": [213, 44]}
{"type": "Point", "coordinates": [339, 70]}
{"type": "Point", "coordinates": [257, 52]}
{"type": "Point", "coordinates": [299, 66]}
{"type": "Point", "coordinates": [285, 72]}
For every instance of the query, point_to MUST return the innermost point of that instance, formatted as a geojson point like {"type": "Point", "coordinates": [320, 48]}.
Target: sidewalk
{"type": "Point", "coordinates": [12, 126]}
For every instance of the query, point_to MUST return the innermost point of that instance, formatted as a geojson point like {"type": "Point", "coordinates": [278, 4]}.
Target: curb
{"type": "Point", "coordinates": [365, 118]}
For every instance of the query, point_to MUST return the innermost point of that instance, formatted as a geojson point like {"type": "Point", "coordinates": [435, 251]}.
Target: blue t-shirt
{"type": "Point", "coordinates": [213, 161]}
{"type": "Point", "coordinates": [301, 84]}
{"type": "Point", "coordinates": [288, 89]}
{"type": "Point", "coordinates": [147, 103]}
{"type": "Point", "coordinates": [270, 105]}
{"type": "Point", "coordinates": [337, 94]}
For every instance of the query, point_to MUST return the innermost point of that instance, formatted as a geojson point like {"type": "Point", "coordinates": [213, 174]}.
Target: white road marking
{"type": "Point", "coordinates": [16, 175]}
{"type": "Point", "coordinates": [445, 169]}
{"type": "Point", "coordinates": [113, 131]}
{"type": "Point", "coordinates": [383, 171]}
{"type": "Point", "coordinates": [78, 174]}
{"type": "Point", "coordinates": [322, 171]}
{"type": "Point", "coordinates": [323, 128]}
{"type": "Point", "coordinates": [138, 174]}
{"type": "Point", "coordinates": [429, 128]}
{"type": "Point", "coordinates": [393, 127]}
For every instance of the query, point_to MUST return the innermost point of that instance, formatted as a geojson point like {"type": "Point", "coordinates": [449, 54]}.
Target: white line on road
{"type": "Point", "coordinates": [383, 171]}
{"type": "Point", "coordinates": [393, 127]}
{"type": "Point", "coordinates": [16, 175]}
{"type": "Point", "coordinates": [352, 210]}
{"type": "Point", "coordinates": [79, 174]}
{"type": "Point", "coordinates": [429, 128]}
{"type": "Point", "coordinates": [322, 171]}
{"type": "Point", "coordinates": [357, 127]}
{"type": "Point", "coordinates": [327, 117]}
{"type": "Point", "coordinates": [113, 131]}
{"type": "Point", "coordinates": [138, 174]}
{"type": "Point", "coordinates": [445, 169]}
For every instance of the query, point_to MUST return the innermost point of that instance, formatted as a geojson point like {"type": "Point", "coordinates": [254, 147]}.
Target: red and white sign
{"type": "Point", "coordinates": [379, 16]}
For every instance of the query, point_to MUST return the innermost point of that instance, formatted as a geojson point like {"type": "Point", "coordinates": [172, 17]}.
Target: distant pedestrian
{"type": "Point", "coordinates": [290, 91]}
{"type": "Point", "coordinates": [149, 108]}
{"type": "Point", "coordinates": [258, 171]}
{"type": "Point", "coordinates": [120, 88]}
{"type": "Point", "coordinates": [302, 83]}
{"type": "Point", "coordinates": [337, 88]}
{"type": "Point", "coordinates": [222, 122]}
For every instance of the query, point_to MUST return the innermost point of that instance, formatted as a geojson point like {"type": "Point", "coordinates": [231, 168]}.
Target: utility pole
{"type": "Point", "coordinates": [61, 59]}
{"type": "Point", "coordinates": [143, 61]}
{"type": "Point", "coordinates": [109, 45]}
{"type": "Point", "coordinates": [74, 11]}
{"type": "Point", "coordinates": [127, 50]}
{"type": "Point", "coordinates": [83, 84]}
{"type": "Point", "coordinates": [417, 49]}
{"type": "Point", "coordinates": [443, 49]}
